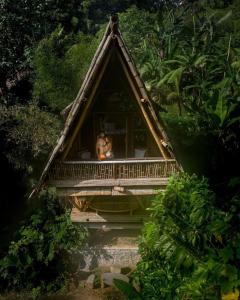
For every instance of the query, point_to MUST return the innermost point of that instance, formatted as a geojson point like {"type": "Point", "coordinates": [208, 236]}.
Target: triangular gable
{"type": "Point", "coordinates": [88, 90]}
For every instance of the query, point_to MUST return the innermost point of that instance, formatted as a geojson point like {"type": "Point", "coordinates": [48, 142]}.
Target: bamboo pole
{"type": "Point", "coordinates": [91, 67]}
{"type": "Point", "coordinates": [89, 101]}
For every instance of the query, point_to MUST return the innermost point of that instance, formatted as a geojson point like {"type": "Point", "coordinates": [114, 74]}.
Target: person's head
{"type": "Point", "coordinates": [101, 134]}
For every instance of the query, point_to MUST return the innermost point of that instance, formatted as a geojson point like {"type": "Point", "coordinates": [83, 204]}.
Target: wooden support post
{"type": "Point", "coordinates": [119, 189]}
{"type": "Point", "coordinates": [140, 202]}
{"type": "Point", "coordinates": [79, 202]}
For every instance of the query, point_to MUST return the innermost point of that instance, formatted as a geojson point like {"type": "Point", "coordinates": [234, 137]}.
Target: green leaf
{"type": "Point", "coordinates": [176, 75]}
{"type": "Point", "coordinates": [234, 182]}
{"type": "Point", "coordinates": [224, 18]}
{"type": "Point", "coordinates": [127, 289]}
{"type": "Point", "coordinates": [226, 254]}
{"type": "Point", "coordinates": [233, 121]}
{"type": "Point", "coordinates": [200, 60]}
{"type": "Point", "coordinates": [236, 65]}
{"type": "Point", "coordinates": [221, 110]}
{"type": "Point", "coordinates": [164, 79]}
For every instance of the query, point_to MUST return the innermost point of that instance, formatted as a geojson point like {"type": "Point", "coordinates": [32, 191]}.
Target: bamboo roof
{"type": "Point", "coordinates": [112, 38]}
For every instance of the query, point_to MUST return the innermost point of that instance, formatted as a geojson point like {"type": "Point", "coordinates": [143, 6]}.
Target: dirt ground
{"type": "Point", "coordinates": [77, 290]}
{"type": "Point", "coordinates": [84, 293]}
{"type": "Point", "coordinates": [89, 294]}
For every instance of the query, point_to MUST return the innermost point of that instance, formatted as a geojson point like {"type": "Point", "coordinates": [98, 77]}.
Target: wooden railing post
{"type": "Point", "coordinates": [115, 171]}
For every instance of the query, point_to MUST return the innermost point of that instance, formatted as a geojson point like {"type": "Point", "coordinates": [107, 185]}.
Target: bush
{"type": "Point", "coordinates": [39, 258]}
{"type": "Point", "coordinates": [191, 247]}
{"type": "Point", "coordinates": [61, 62]}
{"type": "Point", "coordinates": [29, 133]}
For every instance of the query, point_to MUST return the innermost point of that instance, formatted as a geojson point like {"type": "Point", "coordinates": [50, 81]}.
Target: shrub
{"type": "Point", "coordinates": [29, 133]}
{"type": "Point", "coordinates": [190, 249]}
{"type": "Point", "coordinates": [38, 259]}
{"type": "Point", "coordinates": [61, 62]}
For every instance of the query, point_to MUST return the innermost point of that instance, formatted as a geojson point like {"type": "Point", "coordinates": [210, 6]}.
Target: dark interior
{"type": "Point", "coordinates": [115, 111]}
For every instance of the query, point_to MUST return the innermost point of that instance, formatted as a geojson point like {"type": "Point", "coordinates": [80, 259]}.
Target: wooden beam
{"type": "Point", "coordinates": [91, 67]}
{"type": "Point", "coordinates": [110, 182]}
{"type": "Point", "coordinates": [110, 226]}
{"type": "Point", "coordinates": [88, 217]}
{"type": "Point", "coordinates": [118, 189]}
{"type": "Point", "coordinates": [89, 101]}
{"type": "Point", "coordinates": [80, 203]}
{"type": "Point", "coordinates": [106, 192]}
{"type": "Point", "coordinates": [119, 161]}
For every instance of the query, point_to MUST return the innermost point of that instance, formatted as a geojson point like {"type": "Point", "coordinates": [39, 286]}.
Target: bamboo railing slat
{"type": "Point", "coordinates": [113, 170]}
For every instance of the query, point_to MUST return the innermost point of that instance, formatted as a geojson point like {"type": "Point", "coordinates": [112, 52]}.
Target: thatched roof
{"type": "Point", "coordinates": [111, 39]}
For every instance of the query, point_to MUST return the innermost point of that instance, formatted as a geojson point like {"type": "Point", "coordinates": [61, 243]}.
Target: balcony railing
{"type": "Point", "coordinates": [113, 169]}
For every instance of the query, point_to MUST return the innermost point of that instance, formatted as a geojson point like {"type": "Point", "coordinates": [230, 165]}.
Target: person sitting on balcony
{"type": "Point", "coordinates": [104, 147]}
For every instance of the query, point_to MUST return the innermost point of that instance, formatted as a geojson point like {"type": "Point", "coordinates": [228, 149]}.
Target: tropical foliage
{"type": "Point", "coordinates": [190, 249]}
{"type": "Point", "coordinates": [39, 258]}
{"type": "Point", "coordinates": [29, 131]}
{"type": "Point", "coordinates": [188, 55]}
{"type": "Point", "coordinates": [61, 62]}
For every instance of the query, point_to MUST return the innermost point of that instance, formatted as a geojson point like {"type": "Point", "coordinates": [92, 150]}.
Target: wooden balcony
{"type": "Point", "coordinates": [113, 177]}
{"type": "Point", "coordinates": [113, 169]}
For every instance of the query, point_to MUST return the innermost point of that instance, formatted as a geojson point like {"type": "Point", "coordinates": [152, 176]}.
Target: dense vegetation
{"type": "Point", "coordinates": [38, 260]}
{"type": "Point", "coordinates": [190, 249]}
{"type": "Point", "coordinates": [188, 53]}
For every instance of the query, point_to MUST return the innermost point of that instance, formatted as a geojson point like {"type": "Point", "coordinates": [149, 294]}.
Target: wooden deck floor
{"type": "Point", "coordinates": [108, 220]}
{"type": "Point", "coordinates": [109, 182]}
{"type": "Point", "coordinates": [109, 187]}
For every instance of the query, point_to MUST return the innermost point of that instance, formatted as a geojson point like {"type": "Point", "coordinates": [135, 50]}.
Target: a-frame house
{"type": "Point", "coordinates": [113, 99]}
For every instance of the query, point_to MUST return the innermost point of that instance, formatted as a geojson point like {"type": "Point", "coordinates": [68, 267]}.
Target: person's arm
{"type": "Point", "coordinates": [109, 144]}
{"type": "Point", "coordinates": [97, 149]}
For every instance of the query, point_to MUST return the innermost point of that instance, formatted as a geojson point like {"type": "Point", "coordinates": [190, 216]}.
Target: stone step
{"type": "Point", "coordinates": [92, 258]}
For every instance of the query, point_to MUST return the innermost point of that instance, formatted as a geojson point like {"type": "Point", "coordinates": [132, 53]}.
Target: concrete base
{"type": "Point", "coordinates": [107, 248]}
{"type": "Point", "coordinates": [93, 258]}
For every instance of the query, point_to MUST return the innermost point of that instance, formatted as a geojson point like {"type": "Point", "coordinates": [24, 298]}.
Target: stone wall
{"type": "Point", "coordinates": [92, 258]}
{"type": "Point", "coordinates": [106, 248]}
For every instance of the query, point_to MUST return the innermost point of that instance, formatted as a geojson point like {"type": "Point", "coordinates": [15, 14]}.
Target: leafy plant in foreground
{"type": "Point", "coordinates": [127, 289]}
{"type": "Point", "coordinates": [191, 248]}
{"type": "Point", "coordinates": [38, 259]}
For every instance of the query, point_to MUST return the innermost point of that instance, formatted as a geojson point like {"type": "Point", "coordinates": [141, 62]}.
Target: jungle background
{"type": "Point", "coordinates": [188, 53]}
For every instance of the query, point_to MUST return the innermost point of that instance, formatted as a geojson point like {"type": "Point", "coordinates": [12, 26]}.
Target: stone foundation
{"type": "Point", "coordinates": [93, 258]}
{"type": "Point", "coordinates": [107, 248]}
